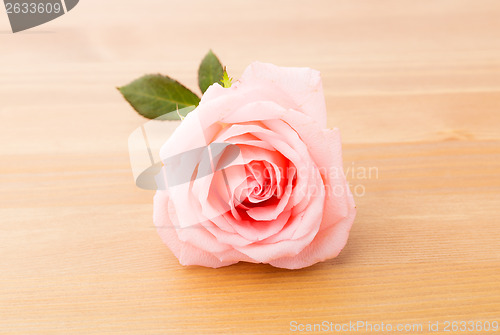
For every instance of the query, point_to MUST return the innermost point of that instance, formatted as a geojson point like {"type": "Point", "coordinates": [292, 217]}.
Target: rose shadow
{"type": "Point", "coordinates": [263, 277]}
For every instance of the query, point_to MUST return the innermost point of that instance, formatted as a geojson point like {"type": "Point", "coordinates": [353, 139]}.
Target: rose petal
{"type": "Point", "coordinates": [302, 85]}
{"type": "Point", "coordinates": [327, 244]}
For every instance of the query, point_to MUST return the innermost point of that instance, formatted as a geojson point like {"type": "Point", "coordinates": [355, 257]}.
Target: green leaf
{"type": "Point", "coordinates": [210, 71]}
{"type": "Point", "coordinates": [154, 95]}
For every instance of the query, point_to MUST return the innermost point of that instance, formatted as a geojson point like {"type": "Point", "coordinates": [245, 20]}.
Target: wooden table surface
{"type": "Point", "coordinates": [414, 87]}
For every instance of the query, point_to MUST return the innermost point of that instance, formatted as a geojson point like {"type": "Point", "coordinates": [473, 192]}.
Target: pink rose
{"type": "Point", "coordinates": [272, 191]}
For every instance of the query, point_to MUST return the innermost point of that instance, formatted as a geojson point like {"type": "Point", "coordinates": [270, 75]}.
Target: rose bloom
{"type": "Point", "coordinates": [264, 182]}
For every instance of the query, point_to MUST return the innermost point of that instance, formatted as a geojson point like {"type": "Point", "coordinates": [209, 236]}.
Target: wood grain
{"type": "Point", "coordinates": [413, 86]}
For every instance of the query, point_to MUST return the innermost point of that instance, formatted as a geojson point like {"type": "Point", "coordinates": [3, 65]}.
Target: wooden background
{"type": "Point", "coordinates": [414, 87]}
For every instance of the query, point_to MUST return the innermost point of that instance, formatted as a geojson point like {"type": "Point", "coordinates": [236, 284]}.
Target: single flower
{"type": "Point", "coordinates": [253, 174]}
